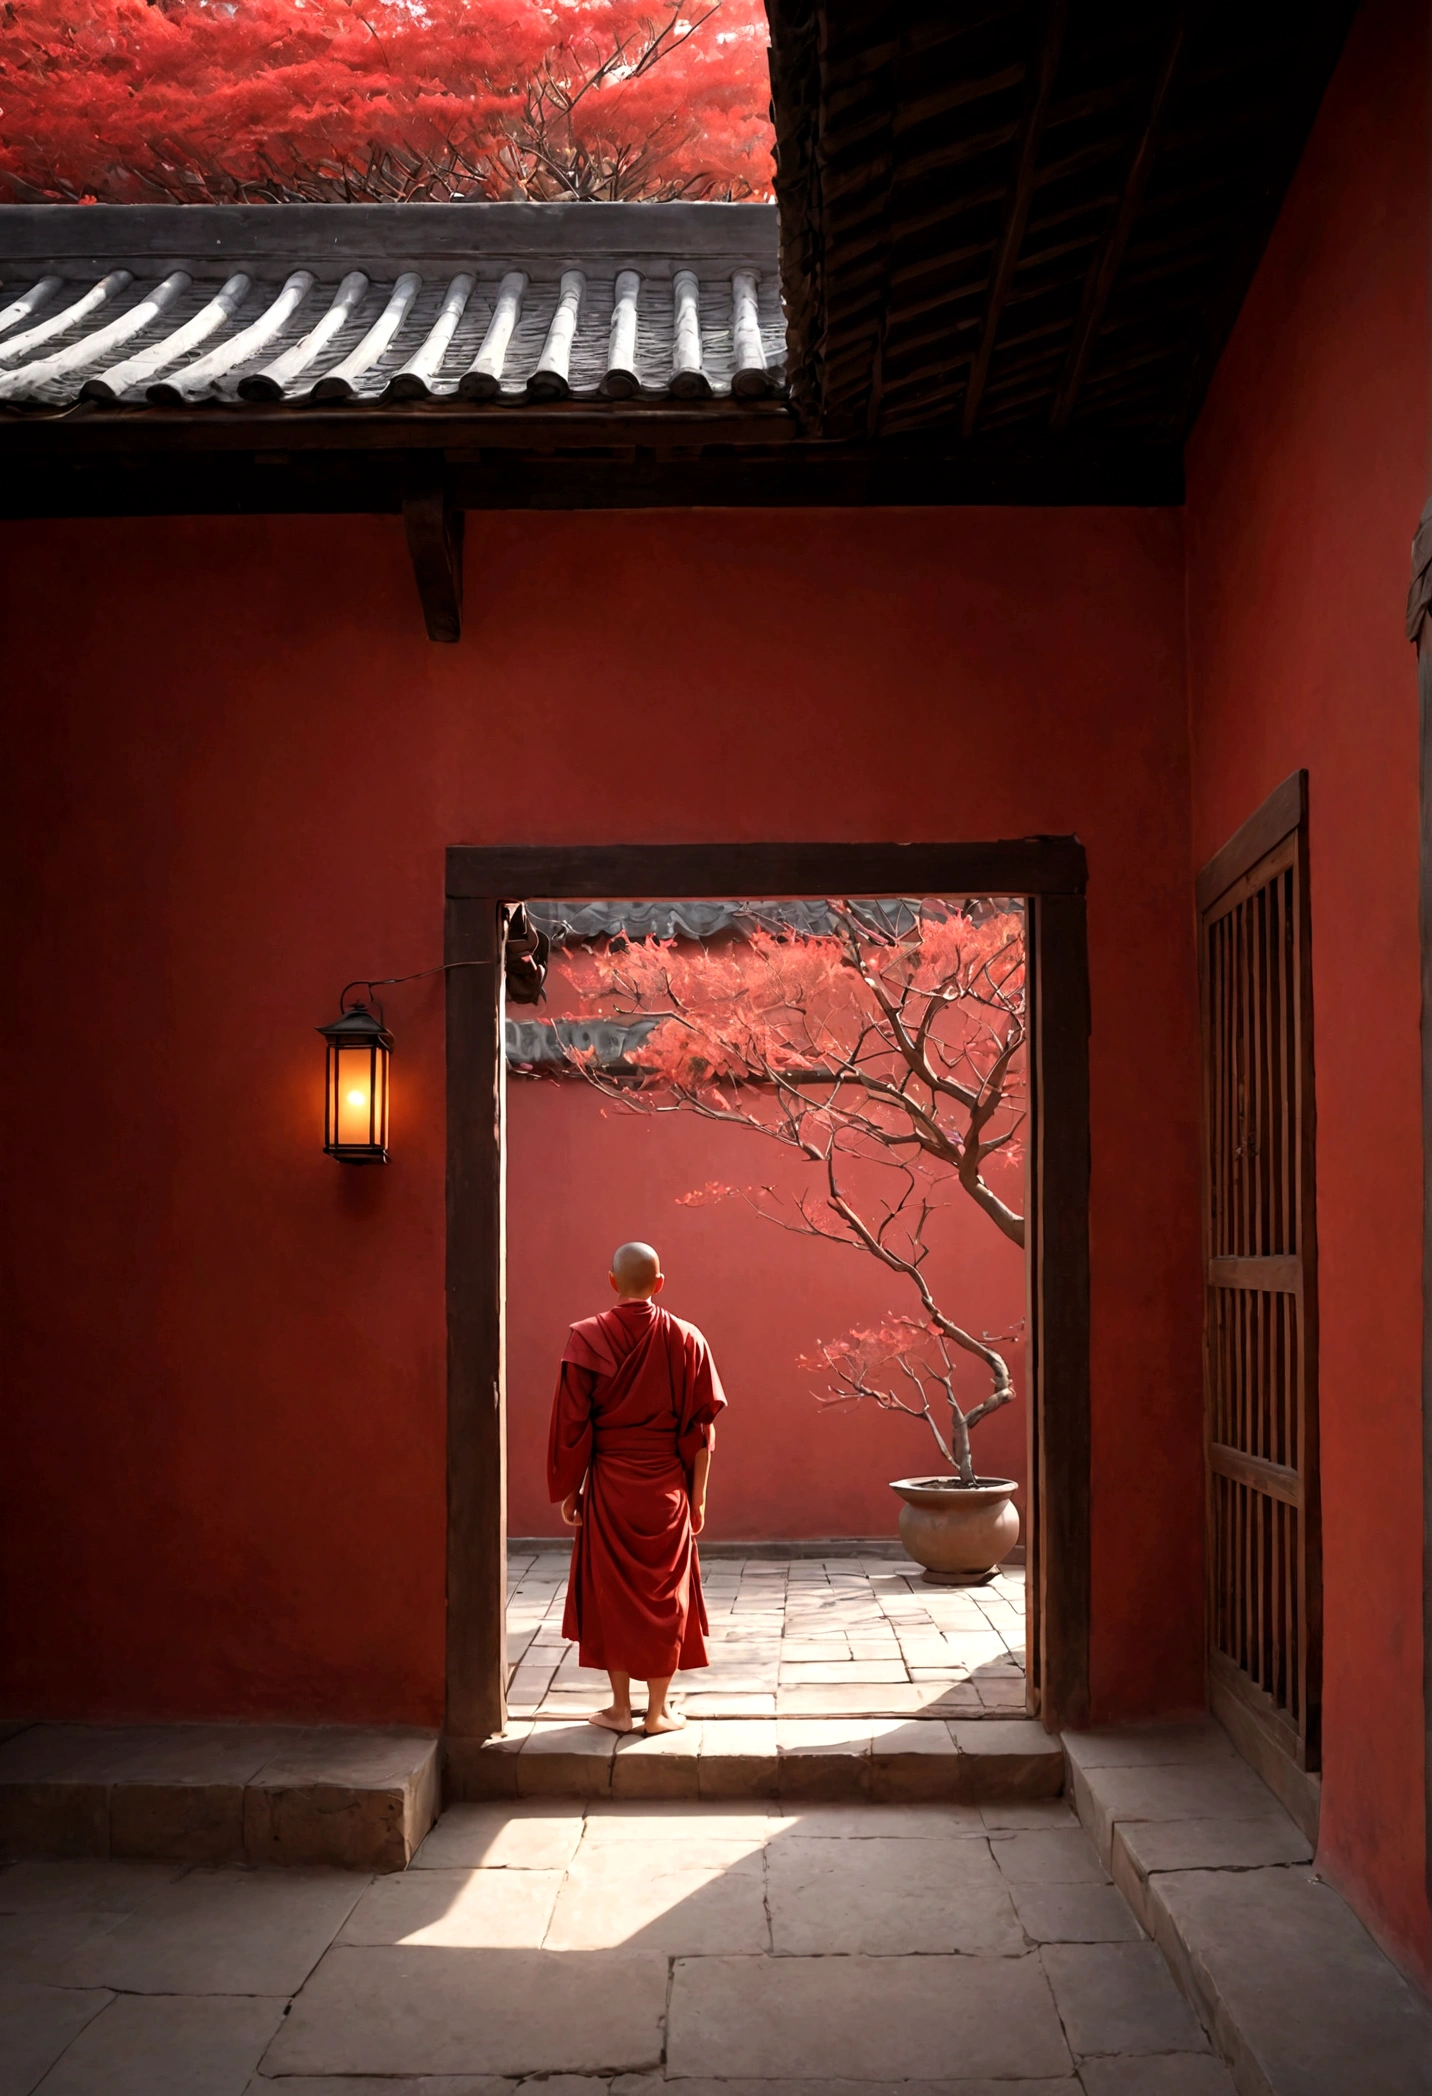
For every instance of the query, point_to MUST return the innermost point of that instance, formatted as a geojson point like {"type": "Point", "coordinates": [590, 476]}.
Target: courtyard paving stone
{"type": "Point", "coordinates": [427, 2011]}
{"type": "Point", "coordinates": [863, 2018]}
{"type": "Point", "coordinates": [1175, 2074]}
{"type": "Point", "coordinates": [1011, 1815]}
{"type": "Point", "coordinates": [941, 1698]}
{"type": "Point", "coordinates": [656, 1820]}
{"type": "Point", "coordinates": [525, 1834]}
{"type": "Point", "coordinates": [833, 1672]}
{"type": "Point", "coordinates": [232, 1931]}
{"type": "Point", "coordinates": [457, 1909]}
{"type": "Point", "coordinates": [1120, 1997]}
{"type": "Point", "coordinates": [1052, 1856]}
{"type": "Point", "coordinates": [1074, 1913]}
{"type": "Point", "coordinates": [140, 2045]}
{"type": "Point", "coordinates": [716, 1703]}
{"type": "Point", "coordinates": [802, 2085]}
{"type": "Point", "coordinates": [423, 2085]}
{"type": "Point", "coordinates": [797, 1637]}
{"type": "Point", "coordinates": [694, 1896]}
{"type": "Point", "coordinates": [880, 1822]}
{"type": "Point", "coordinates": [883, 1897]}
{"type": "Point", "coordinates": [50, 1910]}
{"type": "Point", "coordinates": [37, 2025]}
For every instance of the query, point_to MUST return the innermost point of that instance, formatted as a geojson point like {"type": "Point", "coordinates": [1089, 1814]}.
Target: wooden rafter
{"type": "Point", "coordinates": [1100, 280]}
{"type": "Point", "coordinates": [1038, 97]}
{"type": "Point", "coordinates": [961, 187]}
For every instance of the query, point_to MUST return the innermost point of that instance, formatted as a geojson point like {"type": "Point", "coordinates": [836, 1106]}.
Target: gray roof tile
{"type": "Point", "coordinates": [158, 306]}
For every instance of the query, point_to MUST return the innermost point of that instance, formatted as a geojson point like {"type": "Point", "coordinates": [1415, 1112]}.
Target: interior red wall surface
{"type": "Point", "coordinates": [235, 764]}
{"type": "Point", "coordinates": [1307, 473]}
{"type": "Point", "coordinates": [583, 1177]}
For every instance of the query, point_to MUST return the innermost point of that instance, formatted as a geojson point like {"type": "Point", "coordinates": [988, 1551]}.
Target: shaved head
{"type": "Point", "coordinates": [636, 1269]}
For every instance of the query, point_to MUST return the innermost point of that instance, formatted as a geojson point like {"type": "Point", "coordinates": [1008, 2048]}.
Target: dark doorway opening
{"type": "Point", "coordinates": [483, 886]}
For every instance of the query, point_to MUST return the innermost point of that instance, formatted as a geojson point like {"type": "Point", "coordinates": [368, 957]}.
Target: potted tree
{"type": "Point", "coordinates": [891, 1035]}
{"type": "Point", "coordinates": [958, 1526]}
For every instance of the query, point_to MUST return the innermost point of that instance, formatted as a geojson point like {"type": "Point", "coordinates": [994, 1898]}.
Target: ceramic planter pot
{"type": "Point", "coordinates": [959, 1533]}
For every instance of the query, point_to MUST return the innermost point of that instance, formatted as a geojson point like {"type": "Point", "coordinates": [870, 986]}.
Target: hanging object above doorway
{"type": "Point", "coordinates": [360, 1047]}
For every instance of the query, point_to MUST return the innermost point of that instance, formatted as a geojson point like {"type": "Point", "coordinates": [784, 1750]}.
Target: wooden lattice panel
{"type": "Point", "coordinates": [1260, 1330]}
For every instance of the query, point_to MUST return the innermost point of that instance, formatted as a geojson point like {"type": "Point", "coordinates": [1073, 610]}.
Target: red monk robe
{"type": "Point", "coordinates": [637, 1398]}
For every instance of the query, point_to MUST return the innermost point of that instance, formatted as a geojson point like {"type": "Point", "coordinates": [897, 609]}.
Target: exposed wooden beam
{"type": "Point", "coordinates": [1117, 467]}
{"type": "Point", "coordinates": [434, 530]}
{"type": "Point", "coordinates": [1105, 267]}
{"type": "Point", "coordinates": [1021, 192]}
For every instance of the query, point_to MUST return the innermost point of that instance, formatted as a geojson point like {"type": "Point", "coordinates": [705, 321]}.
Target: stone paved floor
{"type": "Point", "coordinates": [608, 1951]}
{"type": "Point", "coordinates": [842, 1636]}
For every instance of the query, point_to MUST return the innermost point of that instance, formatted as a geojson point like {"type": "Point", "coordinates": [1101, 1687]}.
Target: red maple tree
{"type": "Point", "coordinates": [887, 1054]}
{"type": "Point", "coordinates": [351, 100]}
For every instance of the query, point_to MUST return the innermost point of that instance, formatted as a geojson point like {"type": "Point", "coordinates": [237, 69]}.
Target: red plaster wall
{"type": "Point", "coordinates": [762, 1296]}
{"type": "Point", "coordinates": [1307, 473]}
{"type": "Point", "coordinates": [235, 763]}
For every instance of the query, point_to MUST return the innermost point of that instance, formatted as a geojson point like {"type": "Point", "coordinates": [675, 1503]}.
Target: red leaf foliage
{"type": "Point", "coordinates": [867, 1353]}
{"type": "Point", "coordinates": [771, 1006]}
{"type": "Point", "coordinates": [204, 101]}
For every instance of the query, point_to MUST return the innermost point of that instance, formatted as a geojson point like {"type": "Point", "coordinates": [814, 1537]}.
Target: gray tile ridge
{"type": "Point", "coordinates": [84, 235]}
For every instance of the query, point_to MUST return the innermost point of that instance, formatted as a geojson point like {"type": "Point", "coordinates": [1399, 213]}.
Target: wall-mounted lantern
{"type": "Point", "coordinates": [355, 1116]}
{"type": "Point", "coordinates": [360, 1047]}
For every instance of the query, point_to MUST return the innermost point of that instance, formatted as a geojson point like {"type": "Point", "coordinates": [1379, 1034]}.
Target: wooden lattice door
{"type": "Point", "coordinates": [1260, 1333]}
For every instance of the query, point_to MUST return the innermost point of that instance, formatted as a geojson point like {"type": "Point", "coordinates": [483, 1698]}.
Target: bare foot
{"type": "Point", "coordinates": [669, 1721]}
{"type": "Point", "coordinates": [612, 1720]}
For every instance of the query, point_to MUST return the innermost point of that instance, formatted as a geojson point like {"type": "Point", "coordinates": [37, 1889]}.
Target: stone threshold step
{"type": "Point", "coordinates": [1298, 1997]}
{"type": "Point", "coordinates": [852, 1547]}
{"type": "Point", "coordinates": [982, 1761]}
{"type": "Point", "coordinates": [359, 1799]}
{"type": "Point", "coordinates": [903, 1702]}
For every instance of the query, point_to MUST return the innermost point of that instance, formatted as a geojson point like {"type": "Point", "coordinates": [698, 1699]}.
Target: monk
{"type": "Point", "coordinates": [629, 1456]}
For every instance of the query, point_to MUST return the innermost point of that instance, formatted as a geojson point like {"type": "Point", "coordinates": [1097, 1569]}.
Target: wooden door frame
{"type": "Point", "coordinates": [1419, 632]}
{"type": "Point", "coordinates": [482, 881]}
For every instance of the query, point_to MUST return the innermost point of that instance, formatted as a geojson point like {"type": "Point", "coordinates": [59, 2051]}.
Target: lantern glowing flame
{"type": "Point", "coordinates": [355, 1117]}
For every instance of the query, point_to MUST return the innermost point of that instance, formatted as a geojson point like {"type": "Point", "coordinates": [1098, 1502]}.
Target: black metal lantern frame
{"type": "Point", "coordinates": [360, 1047]}
{"type": "Point", "coordinates": [355, 1116]}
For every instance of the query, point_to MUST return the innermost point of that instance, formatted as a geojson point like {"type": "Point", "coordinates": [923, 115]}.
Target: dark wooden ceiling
{"type": "Point", "coordinates": [1030, 222]}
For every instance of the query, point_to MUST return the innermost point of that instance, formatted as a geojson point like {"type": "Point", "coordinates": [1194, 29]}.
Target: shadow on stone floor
{"type": "Point", "coordinates": [815, 1946]}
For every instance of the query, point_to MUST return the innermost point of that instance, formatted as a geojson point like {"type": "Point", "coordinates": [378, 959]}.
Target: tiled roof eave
{"type": "Point", "coordinates": [393, 310]}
